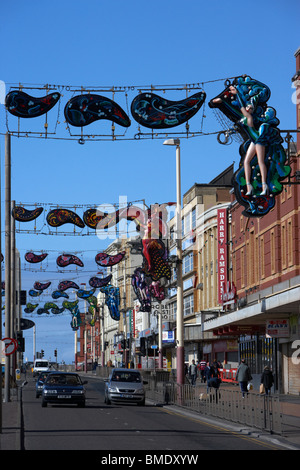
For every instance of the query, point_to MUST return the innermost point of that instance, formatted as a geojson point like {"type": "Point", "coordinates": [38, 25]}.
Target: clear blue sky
{"type": "Point", "coordinates": [131, 43]}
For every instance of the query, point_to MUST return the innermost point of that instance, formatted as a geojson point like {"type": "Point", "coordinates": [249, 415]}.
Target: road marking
{"type": "Point", "coordinates": [220, 428]}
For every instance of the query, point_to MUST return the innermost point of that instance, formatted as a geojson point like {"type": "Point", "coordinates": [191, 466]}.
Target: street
{"type": "Point", "coordinates": [129, 428]}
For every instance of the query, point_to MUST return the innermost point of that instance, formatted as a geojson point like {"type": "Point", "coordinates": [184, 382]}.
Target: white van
{"type": "Point", "coordinates": [40, 365]}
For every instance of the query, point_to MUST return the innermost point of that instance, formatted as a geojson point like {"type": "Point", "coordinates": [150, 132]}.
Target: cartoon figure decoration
{"type": "Point", "coordinates": [103, 259]}
{"type": "Point", "coordinates": [112, 300]}
{"type": "Point", "coordinates": [141, 289]}
{"type": "Point", "coordinates": [24, 215]}
{"type": "Point", "coordinates": [65, 260]}
{"type": "Point", "coordinates": [154, 112]}
{"type": "Point", "coordinates": [155, 259]}
{"type": "Point", "coordinates": [73, 308]}
{"type": "Point", "coordinates": [82, 110]}
{"type": "Point", "coordinates": [262, 166]}
{"type": "Point", "coordinates": [59, 217]}
{"type": "Point", "coordinates": [31, 257]}
{"type": "Point", "coordinates": [22, 105]}
{"type": "Point", "coordinates": [157, 291]}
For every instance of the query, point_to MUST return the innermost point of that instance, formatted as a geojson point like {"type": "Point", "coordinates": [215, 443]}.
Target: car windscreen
{"type": "Point", "coordinates": [41, 364]}
{"type": "Point", "coordinates": [126, 377]}
{"type": "Point", "coordinates": [61, 379]}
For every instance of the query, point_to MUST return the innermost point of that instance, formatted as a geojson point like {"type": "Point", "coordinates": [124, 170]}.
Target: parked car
{"type": "Point", "coordinates": [40, 383]}
{"type": "Point", "coordinates": [125, 386]}
{"type": "Point", "coordinates": [64, 387]}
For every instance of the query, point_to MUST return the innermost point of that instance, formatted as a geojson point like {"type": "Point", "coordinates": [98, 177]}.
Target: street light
{"type": "Point", "coordinates": [179, 314]}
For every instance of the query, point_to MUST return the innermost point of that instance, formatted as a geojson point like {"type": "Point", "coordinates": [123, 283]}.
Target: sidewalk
{"type": "Point", "coordinates": [11, 437]}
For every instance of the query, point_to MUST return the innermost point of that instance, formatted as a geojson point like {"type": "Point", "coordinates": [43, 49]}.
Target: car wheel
{"type": "Point", "coordinates": [141, 403]}
{"type": "Point", "coordinates": [44, 404]}
{"type": "Point", "coordinates": [81, 405]}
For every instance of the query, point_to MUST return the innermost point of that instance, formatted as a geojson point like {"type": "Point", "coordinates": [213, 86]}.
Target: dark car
{"type": "Point", "coordinates": [125, 386]}
{"type": "Point", "coordinates": [63, 387]}
{"type": "Point", "coordinates": [40, 383]}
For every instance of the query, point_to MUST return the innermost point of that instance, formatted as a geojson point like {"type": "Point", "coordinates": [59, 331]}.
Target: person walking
{"type": "Point", "coordinates": [202, 370]}
{"type": "Point", "coordinates": [243, 376]}
{"type": "Point", "coordinates": [193, 372]}
{"type": "Point", "coordinates": [267, 379]}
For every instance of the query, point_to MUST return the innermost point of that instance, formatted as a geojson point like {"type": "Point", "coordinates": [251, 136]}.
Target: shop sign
{"type": "Point", "coordinates": [229, 293]}
{"type": "Point", "coordinates": [222, 251]}
{"type": "Point", "coordinates": [278, 328]}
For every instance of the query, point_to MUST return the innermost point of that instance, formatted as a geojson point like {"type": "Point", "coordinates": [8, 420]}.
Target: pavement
{"type": "Point", "coordinates": [11, 437]}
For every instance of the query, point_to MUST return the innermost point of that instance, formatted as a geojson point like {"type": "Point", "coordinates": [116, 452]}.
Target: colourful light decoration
{"type": "Point", "coordinates": [141, 289]}
{"type": "Point", "coordinates": [152, 111]}
{"type": "Point", "coordinates": [262, 165]}
{"type": "Point", "coordinates": [65, 260]}
{"type": "Point", "coordinates": [64, 285]}
{"type": "Point", "coordinates": [22, 105]}
{"type": "Point", "coordinates": [112, 300]}
{"type": "Point", "coordinates": [99, 281]}
{"type": "Point", "coordinates": [103, 259]}
{"type": "Point", "coordinates": [24, 215]}
{"type": "Point", "coordinates": [34, 258]}
{"type": "Point", "coordinates": [83, 110]}
{"type": "Point", "coordinates": [58, 217]}
{"type": "Point", "coordinates": [41, 285]}
{"type": "Point", "coordinates": [155, 259]}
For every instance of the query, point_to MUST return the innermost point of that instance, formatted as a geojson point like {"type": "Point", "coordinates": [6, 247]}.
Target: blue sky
{"type": "Point", "coordinates": [130, 43]}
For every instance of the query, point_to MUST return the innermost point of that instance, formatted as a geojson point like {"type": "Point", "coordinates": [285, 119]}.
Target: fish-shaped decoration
{"type": "Point", "coordinates": [24, 215]}
{"type": "Point", "coordinates": [34, 258]}
{"type": "Point", "coordinates": [82, 110]}
{"type": "Point", "coordinates": [66, 259]}
{"type": "Point", "coordinates": [83, 294]}
{"type": "Point", "coordinates": [58, 293]}
{"type": "Point", "coordinates": [30, 307]}
{"type": "Point", "coordinates": [58, 217]}
{"type": "Point", "coordinates": [41, 285]}
{"type": "Point", "coordinates": [155, 112]}
{"type": "Point", "coordinates": [104, 259]}
{"type": "Point", "coordinates": [64, 285]}
{"type": "Point", "coordinates": [99, 282]}
{"type": "Point", "coordinates": [35, 293]}
{"type": "Point", "coordinates": [22, 105]}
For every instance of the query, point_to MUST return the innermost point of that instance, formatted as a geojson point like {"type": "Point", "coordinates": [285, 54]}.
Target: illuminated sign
{"type": "Point", "coordinates": [222, 252]}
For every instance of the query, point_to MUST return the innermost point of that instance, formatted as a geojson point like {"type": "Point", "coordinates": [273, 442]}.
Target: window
{"type": "Point", "coordinates": [187, 264]}
{"type": "Point", "coordinates": [188, 305]}
{"type": "Point", "coordinates": [194, 217]}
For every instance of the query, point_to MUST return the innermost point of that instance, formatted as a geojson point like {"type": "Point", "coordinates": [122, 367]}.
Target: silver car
{"type": "Point", "coordinates": [125, 386]}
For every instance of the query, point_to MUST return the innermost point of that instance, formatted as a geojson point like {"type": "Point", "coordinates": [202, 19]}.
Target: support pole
{"type": "Point", "coordinates": [7, 259]}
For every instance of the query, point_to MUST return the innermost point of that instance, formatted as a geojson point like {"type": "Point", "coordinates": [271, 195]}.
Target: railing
{"type": "Point", "coordinates": [255, 410]}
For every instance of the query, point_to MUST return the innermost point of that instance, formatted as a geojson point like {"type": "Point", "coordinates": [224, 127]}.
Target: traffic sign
{"type": "Point", "coordinates": [10, 346]}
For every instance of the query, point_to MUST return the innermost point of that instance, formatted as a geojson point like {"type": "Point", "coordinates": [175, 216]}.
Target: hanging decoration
{"type": "Point", "coordinates": [92, 300]}
{"type": "Point", "coordinates": [141, 289]}
{"type": "Point", "coordinates": [22, 105]}
{"type": "Point", "coordinates": [30, 307]}
{"type": "Point", "coordinates": [83, 294]}
{"type": "Point", "coordinates": [58, 217]}
{"type": "Point", "coordinates": [157, 291]}
{"type": "Point", "coordinates": [65, 260]}
{"type": "Point", "coordinates": [155, 112]}
{"type": "Point", "coordinates": [257, 181]}
{"type": "Point", "coordinates": [112, 300]}
{"type": "Point", "coordinates": [34, 293]}
{"type": "Point", "coordinates": [99, 281]}
{"type": "Point", "coordinates": [103, 259]}
{"type": "Point", "coordinates": [58, 293]}
{"type": "Point", "coordinates": [73, 308]}
{"type": "Point", "coordinates": [155, 259]}
{"type": "Point", "coordinates": [41, 285]}
{"type": "Point", "coordinates": [64, 285]}
{"type": "Point", "coordinates": [34, 258]}
{"type": "Point", "coordinates": [24, 215]}
{"type": "Point", "coordinates": [82, 110]}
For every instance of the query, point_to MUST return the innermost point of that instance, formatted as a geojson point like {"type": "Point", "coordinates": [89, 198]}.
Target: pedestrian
{"type": "Point", "coordinates": [202, 370]}
{"type": "Point", "coordinates": [267, 379]}
{"type": "Point", "coordinates": [193, 372]}
{"type": "Point", "coordinates": [243, 376]}
{"type": "Point", "coordinates": [208, 375]}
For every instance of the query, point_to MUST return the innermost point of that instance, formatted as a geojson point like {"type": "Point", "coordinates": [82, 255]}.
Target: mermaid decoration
{"type": "Point", "coordinates": [262, 166]}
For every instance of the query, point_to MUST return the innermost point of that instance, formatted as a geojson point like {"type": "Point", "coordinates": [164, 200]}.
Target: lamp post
{"type": "Point", "coordinates": [179, 313]}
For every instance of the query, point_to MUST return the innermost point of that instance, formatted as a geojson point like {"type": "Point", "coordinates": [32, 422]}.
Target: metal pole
{"type": "Point", "coordinates": [13, 287]}
{"type": "Point", "coordinates": [160, 349]}
{"type": "Point", "coordinates": [7, 258]}
{"type": "Point", "coordinates": [179, 314]}
{"type": "Point", "coordinates": [1, 377]}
